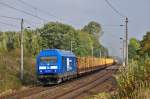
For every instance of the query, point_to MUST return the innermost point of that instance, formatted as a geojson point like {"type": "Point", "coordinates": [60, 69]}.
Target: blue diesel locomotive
{"type": "Point", "coordinates": [55, 66]}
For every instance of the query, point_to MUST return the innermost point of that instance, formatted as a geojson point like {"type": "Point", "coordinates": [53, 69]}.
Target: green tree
{"type": "Point", "coordinates": [3, 42]}
{"type": "Point", "coordinates": [32, 42]}
{"type": "Point", "coordinates": [145, 44]}
{"type": "Point", "coordinates": [7, 40]}
{"type": "Point", "coordinates": [93, 28]}
{"type": "Point", "coordinates": [134, 46]}
{"type": "Point", "coordinates": [84, 44]}
{"type": "Point", "coordinates": [56, 35]}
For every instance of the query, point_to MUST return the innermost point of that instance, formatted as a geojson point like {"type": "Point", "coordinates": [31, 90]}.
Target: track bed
{"type": "Point", "coordinates": [76, 88]}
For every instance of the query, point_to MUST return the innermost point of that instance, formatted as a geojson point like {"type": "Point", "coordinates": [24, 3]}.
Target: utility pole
{"type": "Point", "coordinates": [21, 61]}
{"type": "Point", "coordinates": [126, 57]}
{"type": "Point", "coordinates": [123, 52]}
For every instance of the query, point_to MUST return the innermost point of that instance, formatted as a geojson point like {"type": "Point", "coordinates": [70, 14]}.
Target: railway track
{"type": "Point", "coordinates": [106, 86]}
{"type": "Point", "coordinates": [30, 91]}
{"type": "Point", "coordinates": [70, 94]}
{"type": "Point", "coordinates": [70, 89]}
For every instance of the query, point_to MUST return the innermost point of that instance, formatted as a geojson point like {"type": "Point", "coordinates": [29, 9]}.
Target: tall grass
{"type": "Point", "coordinates": [10, 71]}
{"type": "Point", "coordinates": [134, 80]}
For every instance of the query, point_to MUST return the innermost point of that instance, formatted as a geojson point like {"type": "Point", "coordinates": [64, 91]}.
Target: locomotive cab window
{"type": "Point", "coordinates": [51, 59]}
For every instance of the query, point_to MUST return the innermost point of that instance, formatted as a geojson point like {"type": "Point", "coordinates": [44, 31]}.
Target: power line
{"type": "Point", "coordinates": [110, 25]}
{"type": "Point", "coordinates": [12, 25]}
{"type": "Point", "coordinates": [40, 10]}
{"type": "Point", "coordinates": [126, 31]}
{"type": "Point", "coordinates": [114, 9]}
{"type": "Point", "coordinates": [113, 35]}
{"type": "Point", "coordinates": [104, 25]}
{"type": "Point", "coordinates": [11, 7]}
{"type": "Point", "coordinates": [8, 17]}
{"type": "Point", "coordinates": [29, 5]}
{"type": "Point", "coordinates": [18, 19]}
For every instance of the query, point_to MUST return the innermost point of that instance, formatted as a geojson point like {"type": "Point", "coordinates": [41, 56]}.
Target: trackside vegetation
{"type": "Point", "coordinates": [9, 71]}
{"type": "Point", "coordinates": [51, 35]}
{"type": "Point", "coordinates": [134, 81]}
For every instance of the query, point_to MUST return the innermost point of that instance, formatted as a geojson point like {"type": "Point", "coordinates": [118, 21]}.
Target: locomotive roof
{"type": "Point", "coordinates": [62, 52]}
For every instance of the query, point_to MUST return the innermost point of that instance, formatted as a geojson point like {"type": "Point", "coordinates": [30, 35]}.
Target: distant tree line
{"type": "Point", "coordinates": [56, 35]}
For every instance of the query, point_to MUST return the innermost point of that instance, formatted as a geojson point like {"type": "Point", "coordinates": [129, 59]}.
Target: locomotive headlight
{"type": "Point", "coordinates": [42, 67]}
{"type": "Point", "coordinates": [54, 67]}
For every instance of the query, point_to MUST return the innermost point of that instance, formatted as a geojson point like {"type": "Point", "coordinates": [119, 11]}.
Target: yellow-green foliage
{"type": "Point", "coordinates": [142, 94]}
{"type": "Point", "coordinates": [103, 95]}
{"type": "Point", "coordinates": [9, 71]}
{"type": "Point", "coordinates": [134, 78]}
{"type": "Point", "coordinates": [3, 41]}
{"type": "Point", "coordinates": [133, 82]}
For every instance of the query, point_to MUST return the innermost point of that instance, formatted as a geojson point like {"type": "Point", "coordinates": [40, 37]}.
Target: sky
{"type": "Point", "coordinates": [79, 13]}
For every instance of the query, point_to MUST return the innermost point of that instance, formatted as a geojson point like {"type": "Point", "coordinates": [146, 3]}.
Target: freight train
{"type": "Point", "coordinates": [54, 66]}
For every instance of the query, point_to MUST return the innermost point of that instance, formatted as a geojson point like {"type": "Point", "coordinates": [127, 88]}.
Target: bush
{"type": "Point", "coordinates": [134, 78]}
{"type": "Point", "coordinates": [10, 71]}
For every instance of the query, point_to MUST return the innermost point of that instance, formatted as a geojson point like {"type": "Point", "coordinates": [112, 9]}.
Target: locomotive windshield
{"type": "Point", "coordinates": [50, 59]}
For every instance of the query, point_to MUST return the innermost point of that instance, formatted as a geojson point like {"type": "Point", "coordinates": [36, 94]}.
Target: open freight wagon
{"type": "Point", "coordinates": [89, 64]}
